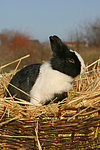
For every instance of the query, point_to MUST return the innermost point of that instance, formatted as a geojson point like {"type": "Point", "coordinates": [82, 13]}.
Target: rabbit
{"type": "Point", "coordinates": [49, 81]}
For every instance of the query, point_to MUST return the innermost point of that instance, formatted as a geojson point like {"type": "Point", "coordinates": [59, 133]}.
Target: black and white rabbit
{"type": "Point", "coordinates": [48, 81]}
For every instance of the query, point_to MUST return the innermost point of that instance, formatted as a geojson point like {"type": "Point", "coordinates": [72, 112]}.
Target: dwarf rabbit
{"type": "Point", "coordinates": [49, 81]}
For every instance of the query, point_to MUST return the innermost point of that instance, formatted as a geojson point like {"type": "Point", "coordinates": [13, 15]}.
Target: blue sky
{"type": "Point", "coordinates": [42, 18]}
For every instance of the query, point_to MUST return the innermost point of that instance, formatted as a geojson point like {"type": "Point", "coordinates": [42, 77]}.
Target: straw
{"type": "Point", "coordinates": [71, 124]}
{"type": "Point", "coordinates": [24, 57]}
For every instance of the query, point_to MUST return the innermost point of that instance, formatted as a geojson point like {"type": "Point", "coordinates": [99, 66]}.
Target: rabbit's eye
{"type": "Point", "coordinates": [71, 61]}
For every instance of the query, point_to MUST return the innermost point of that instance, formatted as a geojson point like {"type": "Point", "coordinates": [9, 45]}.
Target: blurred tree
{"type": "Point", "coordinates": [19, 41]}
{"type": "Point", "coordinates": [93, 33]}
{"type": "Point", "coordinates": [14, 44]}
{"type": "Point", "coordinates": [88, 32]}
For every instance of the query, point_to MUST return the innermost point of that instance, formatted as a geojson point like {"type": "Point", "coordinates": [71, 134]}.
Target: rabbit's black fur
{"type": "Point", "coordinates": [49, 81]}
{"type": "Point", "coordinates": [61, 59]}
{"type": "Point", "coordinates": [24, 79]}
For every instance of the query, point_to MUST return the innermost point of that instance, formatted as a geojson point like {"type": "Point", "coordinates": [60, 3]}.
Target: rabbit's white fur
{"type": "Point", "coordinates": [49, 82]}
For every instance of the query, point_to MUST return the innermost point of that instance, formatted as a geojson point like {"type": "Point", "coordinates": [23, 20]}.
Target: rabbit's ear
{"type": "Point", "coordinates": [56, 44]}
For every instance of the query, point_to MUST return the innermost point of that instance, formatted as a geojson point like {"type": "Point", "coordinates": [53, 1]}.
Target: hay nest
{"type": "Point", "coordinates": [70, 125]}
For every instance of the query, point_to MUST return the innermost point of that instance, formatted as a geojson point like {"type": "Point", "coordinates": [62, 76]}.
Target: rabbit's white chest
{"type": "Point", "coordinates": [48, 83]}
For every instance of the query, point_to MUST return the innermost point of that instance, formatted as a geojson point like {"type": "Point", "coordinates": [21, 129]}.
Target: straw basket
{"type": "Point", "coordinates": [70, 125]}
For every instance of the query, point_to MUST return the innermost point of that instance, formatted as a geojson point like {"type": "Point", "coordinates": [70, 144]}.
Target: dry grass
{"type": "Point", "coordinates": [73, 124]}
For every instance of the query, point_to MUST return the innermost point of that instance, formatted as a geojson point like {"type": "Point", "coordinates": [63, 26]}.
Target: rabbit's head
{"type": "Point", "coordinates": [65, 60]}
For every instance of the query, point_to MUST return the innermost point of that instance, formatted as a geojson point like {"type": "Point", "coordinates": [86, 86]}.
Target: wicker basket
{"type": "Point", "coordinates": [70, 125]}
